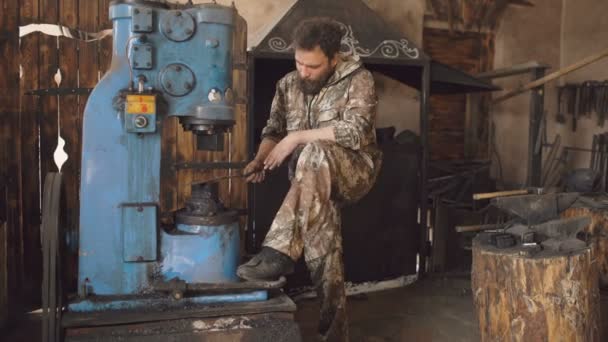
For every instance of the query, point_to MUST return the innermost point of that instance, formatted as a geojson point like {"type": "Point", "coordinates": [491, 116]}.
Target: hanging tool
{"type": "Point", "coordinates": [577, 107]}
{"type": "Point", "coordinates": [586, 98]}
{"type": "Point", "coordinates": [602, 103]}
{"type": "Point", "coordinates": [561, 105]}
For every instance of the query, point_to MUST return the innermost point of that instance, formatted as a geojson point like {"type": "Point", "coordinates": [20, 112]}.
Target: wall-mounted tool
{"type": "Point", "coordinates": [583, 99]}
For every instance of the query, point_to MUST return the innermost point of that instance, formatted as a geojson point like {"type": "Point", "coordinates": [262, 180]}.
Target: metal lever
{"type": "Point", "coordinates": [228, 177]}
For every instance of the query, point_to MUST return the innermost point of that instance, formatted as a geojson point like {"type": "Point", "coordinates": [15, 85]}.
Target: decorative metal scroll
{"type": "Point", "coordinates": [350, 45]}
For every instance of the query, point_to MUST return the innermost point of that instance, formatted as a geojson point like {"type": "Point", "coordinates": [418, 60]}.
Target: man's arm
{"type": "Point", "coordinates": [310, 135]}
{"type": "Point", "coordinates": [292, 140]}
{"type": "Point", "coordinates": [356, 129]}
{"type": "Point", "coordinates": [274, 131]}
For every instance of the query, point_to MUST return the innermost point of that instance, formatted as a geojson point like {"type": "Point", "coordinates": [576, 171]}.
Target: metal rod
{"type": "Point", "coordinates": [534, 132]}
{"type": "Point", "coordinates": [250, 234]}
{"type": "Point", "coordinates": [209, 165]}
{"type": "Point", "coordinates": [581, 149]}
{"type": "Point", "coordinates": [424, 120]}
{"type": "Point", "coordinates": [559, 73]}
{"type": "Point", "coordinates": [216, 179]}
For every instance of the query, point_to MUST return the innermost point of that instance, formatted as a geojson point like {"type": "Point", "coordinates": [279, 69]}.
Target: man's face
{"type": "Point", "coordinates": [314, 69]}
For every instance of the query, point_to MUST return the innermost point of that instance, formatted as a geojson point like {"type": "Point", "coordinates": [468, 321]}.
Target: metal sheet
{"type": "Point", "coordinates": [139, 233]}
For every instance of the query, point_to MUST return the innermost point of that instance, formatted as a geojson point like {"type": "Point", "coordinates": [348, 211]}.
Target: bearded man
{"type": "Point", "coordinates": [323, 115]}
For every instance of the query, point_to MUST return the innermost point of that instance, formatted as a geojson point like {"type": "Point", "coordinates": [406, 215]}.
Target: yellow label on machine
{"type": "Point", "coordinates": [141, 104]}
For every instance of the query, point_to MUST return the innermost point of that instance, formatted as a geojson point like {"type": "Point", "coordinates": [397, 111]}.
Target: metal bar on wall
{"type": "Point", "coordinates": [535, 130]}
{"type": "Point", "coordinates": [250, 230]}
{"type": "Point", "coordinates": [424, 155]}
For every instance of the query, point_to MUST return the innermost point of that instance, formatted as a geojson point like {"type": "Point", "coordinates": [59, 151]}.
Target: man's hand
{"type": "Point", "coordinates": [281, 151]}
{"type": "Point", "coordinates": [256, 170]}
{"type": "Point", "coordinates": [256, 167]}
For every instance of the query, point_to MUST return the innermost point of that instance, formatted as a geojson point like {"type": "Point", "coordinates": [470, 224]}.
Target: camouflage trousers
{"type": "Point", "coordinates": [326, 176]}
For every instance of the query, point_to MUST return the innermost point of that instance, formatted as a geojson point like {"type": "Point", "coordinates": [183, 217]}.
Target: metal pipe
{"type": "Point", "coordinates": [534, 134]}
{"type": "Point", "coordinates": [250, 245]}
{"type": "Point", "coordinates": [424, 122]}
{"type": "Point", "coordinates": [140, 83]}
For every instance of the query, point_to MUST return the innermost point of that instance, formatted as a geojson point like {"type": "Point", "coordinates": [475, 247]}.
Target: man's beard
{"type": "Point", "coordinates": [313, 87]}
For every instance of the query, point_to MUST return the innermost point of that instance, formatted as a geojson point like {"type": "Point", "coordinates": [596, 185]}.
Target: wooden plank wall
{"type": "Point", "coordinates": [10, 201]}
{"type": "Point", "coordinates": [29, 128]}
{"type": "Point", "coordinates": [471, 52]}
{"type": "Point", "coordinates": [471, 14]}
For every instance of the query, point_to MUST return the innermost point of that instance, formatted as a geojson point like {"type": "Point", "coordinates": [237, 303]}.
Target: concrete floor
{"type": "Point", "coordinates": [430, 310]}
{"type": "Point", "coordinates": [435, 309]}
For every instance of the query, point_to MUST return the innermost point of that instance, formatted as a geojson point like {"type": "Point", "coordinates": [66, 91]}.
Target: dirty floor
{"type": "Point", "coordinates": [435, 309]}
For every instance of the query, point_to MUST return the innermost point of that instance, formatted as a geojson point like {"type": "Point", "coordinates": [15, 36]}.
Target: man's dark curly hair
{"type": "Point", "coordinates": [322, 31]}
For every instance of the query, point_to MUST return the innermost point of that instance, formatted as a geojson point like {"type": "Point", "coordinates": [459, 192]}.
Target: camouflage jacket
{"type": "Point", "coordinates": [347, 103]}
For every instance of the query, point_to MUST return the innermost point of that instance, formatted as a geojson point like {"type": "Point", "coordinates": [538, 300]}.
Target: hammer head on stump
{"type": "Point", "coordinates": [535, 209]}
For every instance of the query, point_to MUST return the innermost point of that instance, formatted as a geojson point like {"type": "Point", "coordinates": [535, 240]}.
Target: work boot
{"type": "Point", "coordinates": [268, 265]}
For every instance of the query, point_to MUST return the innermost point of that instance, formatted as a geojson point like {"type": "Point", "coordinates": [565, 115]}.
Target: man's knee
{"type": "Point", "coordinates": [310, 157]}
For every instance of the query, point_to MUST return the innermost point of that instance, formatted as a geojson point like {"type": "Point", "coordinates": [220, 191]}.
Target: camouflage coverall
{"type": "Point", "coordinates": [325, 175]}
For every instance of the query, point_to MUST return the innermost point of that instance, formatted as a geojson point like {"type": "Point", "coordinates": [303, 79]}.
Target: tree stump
{"type": "Point", "coordinates": [598, 236]}
{"type": "Point", "coordinates": [549, 296]}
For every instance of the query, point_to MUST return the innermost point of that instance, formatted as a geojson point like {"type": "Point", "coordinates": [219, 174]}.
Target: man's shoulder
{"type": "Point", "coordinates": [362, 74]}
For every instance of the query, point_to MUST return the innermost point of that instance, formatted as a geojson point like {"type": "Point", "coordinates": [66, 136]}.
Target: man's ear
{"type": "Point", "coordinates": [334, 61]}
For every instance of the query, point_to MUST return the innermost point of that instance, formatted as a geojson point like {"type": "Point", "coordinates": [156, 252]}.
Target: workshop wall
{"type": "Point", "coordinates": [557, 33]}
{"type": "Point", "coordinates": [30, 122]}
{"type": "Point", "coordinates": [471, 52]}
{"type": "Point", "coordinates": [9, 190]}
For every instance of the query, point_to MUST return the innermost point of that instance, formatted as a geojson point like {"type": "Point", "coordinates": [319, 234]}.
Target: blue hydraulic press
{"type": "Point", "coordinates": [138, 281]}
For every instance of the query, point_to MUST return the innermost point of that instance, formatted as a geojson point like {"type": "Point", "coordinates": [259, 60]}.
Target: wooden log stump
{"type": "Point", "coordinates": [548, 296]}
{"type": "Point", "coordinates": [598, 236]}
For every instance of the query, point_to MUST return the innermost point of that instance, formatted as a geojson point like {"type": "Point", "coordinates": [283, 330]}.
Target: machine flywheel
{"type": "Point", "coordinates": [52, 242]}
